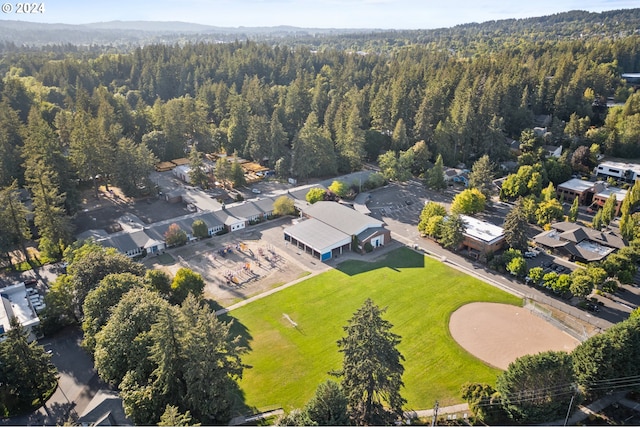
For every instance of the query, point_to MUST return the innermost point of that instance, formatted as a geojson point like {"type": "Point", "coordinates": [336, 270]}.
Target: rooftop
{"type": "Point", "coordinates": [482, 230]}
{"type": "Point", "coordinates": [622, 166]}
{"type": "Point", "coordinates": [618, 192]}
{"type": "Point", "coordinates": [14, 302]}
{"type": "Point", "coordinates": [347, 220]}
{"type": "Point", "coordinates": [578, 185]}
{"type": "Point", "coordinates": [318, 235]}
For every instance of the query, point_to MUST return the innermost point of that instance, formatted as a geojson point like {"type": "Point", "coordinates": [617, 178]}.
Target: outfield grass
{"type": "Point", "coordinates": [288, 363]}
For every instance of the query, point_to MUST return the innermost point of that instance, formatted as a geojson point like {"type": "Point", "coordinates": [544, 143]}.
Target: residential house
{"type": "Point", "coordinates": [553, 151]}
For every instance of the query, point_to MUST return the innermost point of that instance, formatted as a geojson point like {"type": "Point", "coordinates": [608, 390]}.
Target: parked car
{"type": "Point", "coordinates": [530, 254]}
{"type": "Point", "coordinates": [255, 191]}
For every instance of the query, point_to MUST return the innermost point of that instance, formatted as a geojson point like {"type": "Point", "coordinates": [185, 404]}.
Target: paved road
{"type": "Point", "coordinates": [77, 384]}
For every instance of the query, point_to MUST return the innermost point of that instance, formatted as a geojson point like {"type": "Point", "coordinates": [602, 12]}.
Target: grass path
{"type": "Point", "coordinates": [287, 362]}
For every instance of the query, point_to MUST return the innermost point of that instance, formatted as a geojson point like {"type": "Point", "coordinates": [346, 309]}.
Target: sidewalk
{"type": "Point", "coordinates": [443, 410]}
{"type": "Point", "coordinates": [582, 412]}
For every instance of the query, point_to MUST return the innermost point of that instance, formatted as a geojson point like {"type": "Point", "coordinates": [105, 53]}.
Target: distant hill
{"type": "Point", "coordinates": [151, 26]}
{"type": "Point", "coordinates": [123, 35]}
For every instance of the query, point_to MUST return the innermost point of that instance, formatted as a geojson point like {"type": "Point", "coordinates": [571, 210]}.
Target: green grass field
{"type": "Point", "coordinates": [288, 363]}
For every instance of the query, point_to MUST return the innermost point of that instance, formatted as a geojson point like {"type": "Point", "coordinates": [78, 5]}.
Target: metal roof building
{"type": "Point", "coordinates": [330, 228]}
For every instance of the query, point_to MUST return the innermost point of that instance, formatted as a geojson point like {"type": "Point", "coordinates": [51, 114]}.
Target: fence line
{"type": "Point", "coordinates": [577, 331]}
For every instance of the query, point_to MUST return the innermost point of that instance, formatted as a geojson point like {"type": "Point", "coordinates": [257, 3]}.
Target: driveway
{"type": "Point", "coordinates": [77, 384]}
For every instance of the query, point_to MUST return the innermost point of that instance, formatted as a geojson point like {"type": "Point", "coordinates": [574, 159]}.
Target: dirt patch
{"type": "Point", "coordinates": [234, 268]}
{"type": "Point", "coordinates": [102, 213]}
{"type": "Point", "coordinates": [499, 333]}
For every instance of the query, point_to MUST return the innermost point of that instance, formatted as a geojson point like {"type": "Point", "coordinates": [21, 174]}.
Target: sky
{"type": "Point", "coordinates": [383, 14]}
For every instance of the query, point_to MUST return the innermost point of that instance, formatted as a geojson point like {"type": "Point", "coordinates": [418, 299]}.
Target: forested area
{"type": "Point", "coordinates": [70, 117]}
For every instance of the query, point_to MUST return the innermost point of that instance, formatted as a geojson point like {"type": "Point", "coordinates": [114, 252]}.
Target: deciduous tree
{"type": "Point", "coordinates": [283, 205]}
{"type": "Point", "coordinates": [537, 388]}
{"type": "Point", "coordinates": [175, 236]}
{"type": "Point", "coordinates": [186, 282]}
{"type": "Point", "coordinates": [315, 195]}
{"type": "Point", "coordinates": [468, 202]}
{"type": "Point", "coordinates": [199, 229]}
{"type": "Point", "coordinates": [328, 406]}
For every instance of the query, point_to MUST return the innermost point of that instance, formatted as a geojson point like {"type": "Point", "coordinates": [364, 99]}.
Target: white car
{"type": "Point", "coordinates": [255, 191]}
{"type": "Point", "coordinates": [530, 254]}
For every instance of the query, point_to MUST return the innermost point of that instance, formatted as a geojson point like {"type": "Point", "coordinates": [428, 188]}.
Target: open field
{"type": "Point", "coordinates": [287, 362]}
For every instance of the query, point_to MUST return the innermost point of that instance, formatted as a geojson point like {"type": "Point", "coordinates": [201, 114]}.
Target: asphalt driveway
{"type": "Point", "coordinates": [77, 384]}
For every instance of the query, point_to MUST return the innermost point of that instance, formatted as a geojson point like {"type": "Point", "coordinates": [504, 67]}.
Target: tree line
{"type": "Point", "coordinates": [84, 119]}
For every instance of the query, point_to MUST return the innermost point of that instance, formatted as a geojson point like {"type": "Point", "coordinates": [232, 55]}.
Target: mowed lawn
{"type": "Point", "coordinates": [287, 362]}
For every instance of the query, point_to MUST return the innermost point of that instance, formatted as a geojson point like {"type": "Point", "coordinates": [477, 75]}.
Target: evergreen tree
{"type": "Point", "coordinates": [435, 176]}
{"type": "Point", "coordinates": [481, 176]}
{"type": "Point", "coordinates": [515, 226]}
{"type": "Point", "coordinates": [372, 368]}
{"type": "Point", "coordinates": [350, 146]}
{"type": "Point", "coordinates": [313, 152]}
{"type": "Point", "coordinates": [10, 143]}
{"type": "Point", "coordinates": [100, 301]}
{"type": "Point", "coordinates": [14, 228]}
{"type": "Point", "coordinates": [197, 174]}
{"type": "Point", "coordinates": [54, 226]}
{"type": "Point", "coordinates": [452, 232]}
{"type": "Point", "coordinates": [172, 417]}
{"type": "Point", "coordinates": [26, 369]}
{"type": "Point", "coordinates": [399, 139]}
{"type": "Point", "coordinates": [135, 164]}
{"type": "Point", "coordinates": [237, 175]}
{"type": "Point", "coordinates": [278, 139]}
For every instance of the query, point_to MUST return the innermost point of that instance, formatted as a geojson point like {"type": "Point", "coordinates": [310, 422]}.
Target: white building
{"type": "Point", "coordinates": [627, 171]}
{"type": "Point", "coordinates": [22, 303]}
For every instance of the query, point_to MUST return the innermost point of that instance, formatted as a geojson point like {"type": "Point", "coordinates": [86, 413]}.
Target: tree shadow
{"type": "Point", "coordinates": [395, 260]}
{"type": "Point", "coordinates": [237, 329]}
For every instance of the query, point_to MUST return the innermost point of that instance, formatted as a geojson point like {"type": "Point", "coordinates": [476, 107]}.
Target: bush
{"type": "Point", "coordinates": [368, 247]}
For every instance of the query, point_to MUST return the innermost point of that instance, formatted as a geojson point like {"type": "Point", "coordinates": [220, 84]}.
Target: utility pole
{"type": "Point", "coordinates": [573, 396]}
{"type": "Point", "coordinates": [435, 414]}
